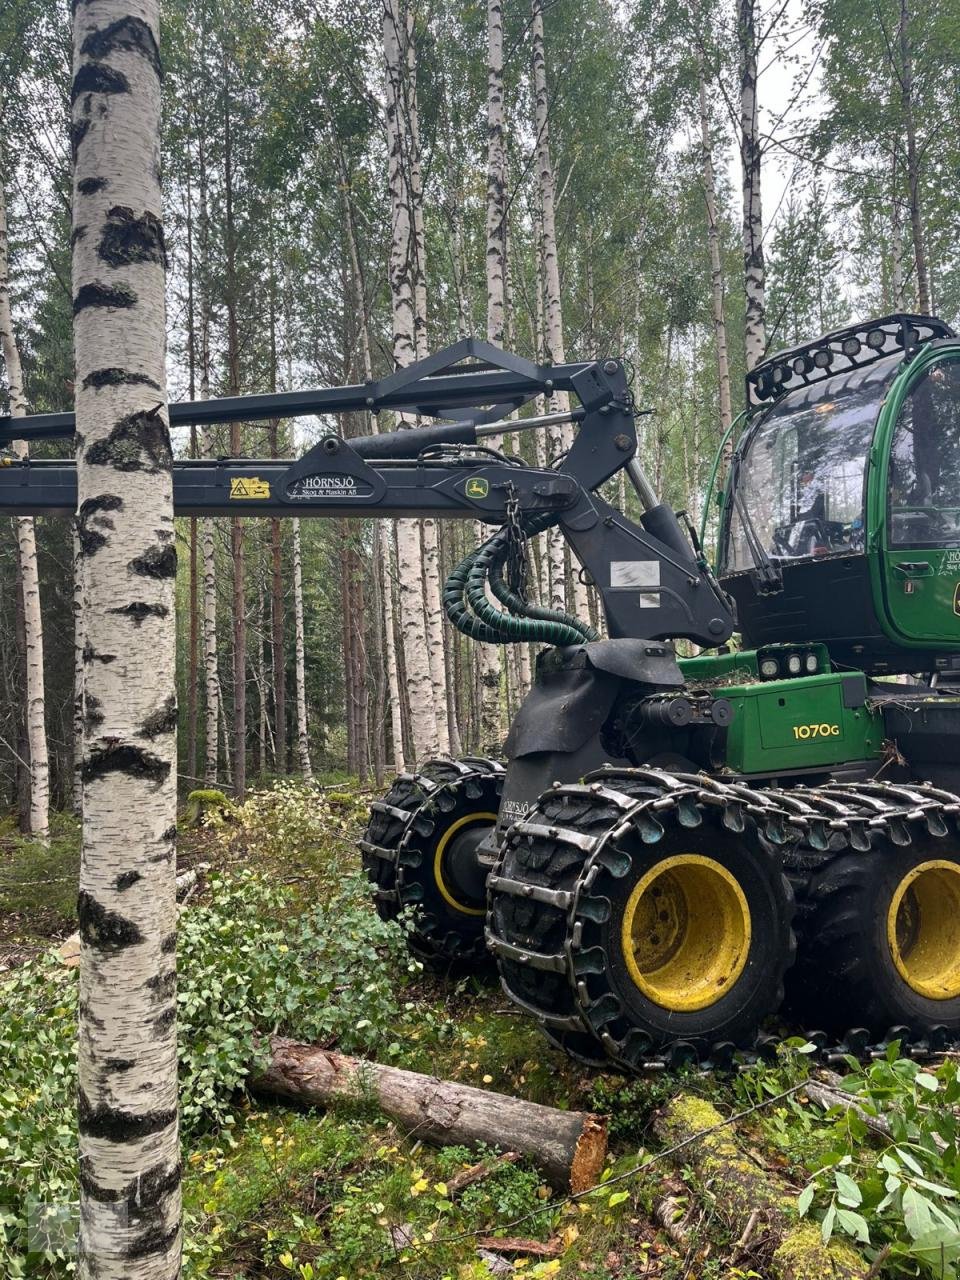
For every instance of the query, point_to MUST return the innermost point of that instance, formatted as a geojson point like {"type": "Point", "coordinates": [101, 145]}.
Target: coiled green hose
{"type": "Point", "coordinates": [469, 609]}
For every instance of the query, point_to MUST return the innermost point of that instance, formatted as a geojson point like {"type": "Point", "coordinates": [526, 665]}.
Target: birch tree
{"type": "Point", "coordinates": [34, 700]}
{"type": "Point", "coordinates": [129, 1147]}
{"type": "Point", "coordinates": [717, 281]}
{"type": "Point", "coordinates": [403, 283]}
{"type": "Point", "coordinates": [550, 266]}
{"type": "Point", "coordinates": [300, 675]}
{"type": "Point", "coordinates": [495, 256]}
{"type": "Point", "coordinates": [750, 158]}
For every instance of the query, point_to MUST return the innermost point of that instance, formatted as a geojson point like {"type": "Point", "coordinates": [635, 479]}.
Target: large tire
{"type": "Point", "coordinates": [638, 914]}
{"type": "Point", "coordinates": [880, 941]}
{"type": "Point", "coordinates": [417, 853]}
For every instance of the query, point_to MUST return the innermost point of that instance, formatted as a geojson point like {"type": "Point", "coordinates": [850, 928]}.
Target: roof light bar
{"type": "Point", "coordinates": [838, 352]}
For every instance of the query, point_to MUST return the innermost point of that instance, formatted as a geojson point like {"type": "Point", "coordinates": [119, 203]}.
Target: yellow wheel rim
{"type": "Point", "coordinates": [451, 831]}
{"type": "Point", "coordinates": [686, 933]}
{"type": "Point", "coordinates": [923, 929]}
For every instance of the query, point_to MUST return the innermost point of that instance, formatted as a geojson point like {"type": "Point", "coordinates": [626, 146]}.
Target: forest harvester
{"type": "Point", "coordinates": [675, 849]}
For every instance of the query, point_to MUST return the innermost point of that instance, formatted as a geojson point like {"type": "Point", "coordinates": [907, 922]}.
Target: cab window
{"type": "Point", "coordinates": [923, 483]}
{"type": "Point", "coordinates": [799, 486]}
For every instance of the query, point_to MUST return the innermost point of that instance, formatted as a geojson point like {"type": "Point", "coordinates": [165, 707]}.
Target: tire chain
{"type": "Point", "coordinates": [809, 826]}
{"type": "Point", "coordinates": [408, 811]}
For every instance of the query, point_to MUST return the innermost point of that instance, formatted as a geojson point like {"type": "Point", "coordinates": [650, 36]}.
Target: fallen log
{"type": "Point", "coordinates": [569, 1147]}
{"type": "Point", "coordinates": [746, 1195]}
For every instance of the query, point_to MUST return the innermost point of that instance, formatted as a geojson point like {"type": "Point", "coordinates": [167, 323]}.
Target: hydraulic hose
{"type": "Point", "coordinates": [468, 608]}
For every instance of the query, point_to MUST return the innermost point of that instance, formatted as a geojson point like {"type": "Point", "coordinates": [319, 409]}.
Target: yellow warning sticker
{"type": "Point", "coordinates": [249, 487]}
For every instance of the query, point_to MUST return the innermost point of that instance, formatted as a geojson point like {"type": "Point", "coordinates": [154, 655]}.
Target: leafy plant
{"type": "Point", "coordinates": [247, 968]}
{"type": "Point", "coordinates": [907, 1192]}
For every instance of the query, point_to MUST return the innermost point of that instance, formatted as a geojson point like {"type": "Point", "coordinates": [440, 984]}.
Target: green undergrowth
{"type": "Point", "coordinates": [38, 882]}
{"type": "Point", "coordinates": [281, 936]}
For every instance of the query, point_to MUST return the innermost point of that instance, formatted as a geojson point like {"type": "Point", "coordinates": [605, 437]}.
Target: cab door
{"type": "Point", "coordinates": [921, 562]}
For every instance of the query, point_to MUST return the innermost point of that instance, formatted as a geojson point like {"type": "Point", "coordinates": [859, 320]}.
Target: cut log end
{"type": "Point", "coordinates": [589, 1154]}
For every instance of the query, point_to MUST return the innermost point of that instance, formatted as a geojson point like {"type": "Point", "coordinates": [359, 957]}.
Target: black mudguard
{"type": "Point", "coordinates": [557, 735]}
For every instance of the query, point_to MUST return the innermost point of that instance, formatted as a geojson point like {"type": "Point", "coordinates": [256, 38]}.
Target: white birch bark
{"type": "Point", "coordinates": [34, 702]}
{"type": "Point", "coordinates": [382, 547]}
{"type": "Point", "coordinates": [129, 1147]}
{"type": "Point", "coordinates": [385, 569]}
{"type": "Point", "coordinates": [403, 284]}
{"type": "Point", "coordinates": [208, 449]}
{"type": "Point", "coordinates": [914, 152]}
{"type": "Point", "coordinates": [564, 594]}
{"type": "Point", "coordinates": [716, 263]}
{"type": "Point", "coordinates": [299, 660]}
{"type": "Point", "coordinates": [489, 673]}
{"type": "Point", "coordinates": [750, 156]}
{"type": "Point", "coordinates": [896, 244]}
{"type": "Point", "coordinates": [78, 667]}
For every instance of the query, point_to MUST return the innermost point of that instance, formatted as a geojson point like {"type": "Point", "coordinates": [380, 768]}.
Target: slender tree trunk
{"type": "Point", "coordinates": [896, 243]}
{"type": "Point", "coordinates": [277, 621]}
{"type": "Point", "coordinates": [496, 223]}
{"type": "Point", "coordinates": [78, 670]}
{"type": "Point", "coordinates": [129, 1145]}
{"type": "Point", "coordinates": [913, 159]}
{"type": "Point", "coordinates": [211, 663]}
{"type": "Point", "coordinates": [750, 156]}
{"type": "Point", "coordinates": [716, 264]}
{"type": "Point", "coordinates": [403, 287]}
{"type": "Point", "coordinates": [303, 740]}
{"type": "Point", "coordinates": [193, 639]}
{"type": "Point", "coordinates": [237, 535]}
{"type": "Point", "coordinates": [29, 578]}
{"type": "Point", "coordinates": [390, 647]}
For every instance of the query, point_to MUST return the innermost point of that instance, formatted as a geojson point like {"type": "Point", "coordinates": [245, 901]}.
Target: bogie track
{"type": "Point", "coordinates": [409, 851]}
{"type": "Point", "coordinates": [560, 891]}
{"type": "Point", "coordinates": [648, 919]}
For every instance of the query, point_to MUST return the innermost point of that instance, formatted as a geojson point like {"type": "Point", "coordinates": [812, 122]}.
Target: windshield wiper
{"type": "Point", "coordinates": [767, 576]}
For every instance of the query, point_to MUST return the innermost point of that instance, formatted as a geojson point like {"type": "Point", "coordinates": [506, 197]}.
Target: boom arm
{"type": "Point", "coordinates": [652, 583]}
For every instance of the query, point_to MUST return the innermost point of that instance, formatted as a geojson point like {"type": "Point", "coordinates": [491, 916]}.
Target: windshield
{"type": "Point", "coordinates": [924, 480]}
{"type": "Point", "coordinates": [800, 479]}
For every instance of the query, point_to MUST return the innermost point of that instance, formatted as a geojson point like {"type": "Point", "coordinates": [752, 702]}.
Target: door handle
{"type": "Point", "coordinates": [913, 568]}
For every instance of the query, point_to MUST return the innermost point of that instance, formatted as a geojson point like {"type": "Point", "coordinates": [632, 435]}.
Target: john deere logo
{"type": "Point", "coordinates": [956, 599]}
{"type": "Point", "coordinates": [477, 487]}
{"type": "Point", "coordinates": [249, 487]}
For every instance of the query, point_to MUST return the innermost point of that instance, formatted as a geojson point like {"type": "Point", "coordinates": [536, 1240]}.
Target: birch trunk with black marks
{"type": "Point", "coordinates": [129, 1148]}
{"type": "Point", "coordinates": [896, 247]}
{"type": "Point", "coordinates": [237, 532]}
{"type": "Point", "coordinates": [564, 593]}
{"type": "Point", "coordinates": [403, 279]}
{"type": "Point", "coordinates": [716, 267]}
{"type": "Point", "coordinates": [495, 258]}
{"type": "Point", "coordinates": [211, 662]}
{"type": "Point", "coordinates": [78, 699]}
{"type": "Point", "coordinates": [754, 276]}
{"type": "Point", "coordinates": [913, 159]}
{"type": "Point", "coordinates": [28, 575]}
{"type": "Point", "coordinates": [299, 661]}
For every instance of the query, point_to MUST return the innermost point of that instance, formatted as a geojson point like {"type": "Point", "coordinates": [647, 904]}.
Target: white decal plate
{"type": "Point", "coordinates": [638, 574]}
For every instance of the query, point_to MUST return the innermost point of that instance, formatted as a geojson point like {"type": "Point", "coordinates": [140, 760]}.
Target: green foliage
{"type": "Point", "coordinates": [249, 965]}
{"type": "Point", "coordinates": [248, 968]}
{"type": "Point", "coordinates": [906, 1193]}
{"type": "Point", "coordinates": [291, 820]}
{"type": "Point", "coordinates": [38, 882]}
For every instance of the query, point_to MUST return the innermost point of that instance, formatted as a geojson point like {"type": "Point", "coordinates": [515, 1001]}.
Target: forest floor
{"type": "Point", "coordinates": [273, 1191]}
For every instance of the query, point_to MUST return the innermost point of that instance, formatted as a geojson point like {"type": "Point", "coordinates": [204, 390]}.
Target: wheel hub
{"type": "Point", "coordinates": [686, 932]}
{"type": "Point", "coordinates": [923, 929]}
{"type": "Point", "coordinates": [460, 876]}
